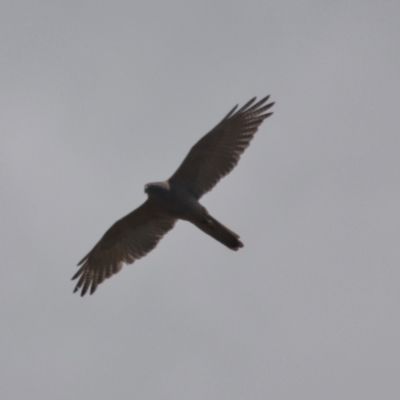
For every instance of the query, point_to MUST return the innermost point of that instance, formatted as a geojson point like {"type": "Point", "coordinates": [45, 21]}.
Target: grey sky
{"type": "Point", "coordinates": [99, 98]}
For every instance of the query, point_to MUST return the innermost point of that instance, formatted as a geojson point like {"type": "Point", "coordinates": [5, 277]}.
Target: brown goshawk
{"type": "Point", "coordinates": [209, 160]}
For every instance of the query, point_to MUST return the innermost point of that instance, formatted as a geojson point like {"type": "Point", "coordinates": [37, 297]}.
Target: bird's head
{"type": "Point", "coordinates": [156, 188]}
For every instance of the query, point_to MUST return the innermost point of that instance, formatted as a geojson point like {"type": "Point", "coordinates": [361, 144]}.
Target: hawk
{"type": "Point", "coordinates": [139, 232]}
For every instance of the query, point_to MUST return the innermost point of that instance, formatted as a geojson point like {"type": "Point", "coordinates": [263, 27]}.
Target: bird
{"type": "Point", "coordinates": [209, 160]}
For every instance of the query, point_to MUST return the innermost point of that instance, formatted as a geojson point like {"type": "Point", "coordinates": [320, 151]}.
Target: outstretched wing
{"type": "Point", "coordinates": [129, 239]}
{"type": "Point", "coordinates": [218, 152]}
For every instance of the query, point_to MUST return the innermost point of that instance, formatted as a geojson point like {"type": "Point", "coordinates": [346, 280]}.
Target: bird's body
{"type": "Point", "coordinates": [174, 199]}
{"type": "Point", "coordinates": [136, 234]}
{"type": "Point", "coordinates": [177, 201]}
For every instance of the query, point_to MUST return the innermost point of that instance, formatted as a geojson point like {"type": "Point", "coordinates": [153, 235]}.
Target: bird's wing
{"type": "Point", "coordinates": [218, 152]}
{"type": "Point", "coordinates": [129, 239]}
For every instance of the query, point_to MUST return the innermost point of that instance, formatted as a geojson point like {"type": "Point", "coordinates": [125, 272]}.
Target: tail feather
{"type": "Point", "coordinates": [219, 232]}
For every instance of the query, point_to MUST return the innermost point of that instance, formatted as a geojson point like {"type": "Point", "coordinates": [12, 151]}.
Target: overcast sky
{"type": "Point", "coordinates": [99, 98]}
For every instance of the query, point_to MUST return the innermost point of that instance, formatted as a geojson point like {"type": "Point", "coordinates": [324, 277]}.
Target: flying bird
{"type": "Point", "coordinates": [209, 160]}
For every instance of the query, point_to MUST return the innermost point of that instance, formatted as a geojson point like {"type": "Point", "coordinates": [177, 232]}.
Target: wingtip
{"type": "Point", "coordinates": [247, 105]}
{"type": "Point", "coordinates": [82, 261]}
{"type": "Point", "coordinates": [76, 275]}
{"type": "Point", "coordinates": [77, 288]}
{"type": "Point", "coordinates": [231, 112]}
{"type": "Point", "coordinates": [266, 98]}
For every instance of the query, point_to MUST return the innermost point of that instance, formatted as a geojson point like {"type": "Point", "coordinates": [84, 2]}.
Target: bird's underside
{"type": "Point", "coordinates": [139, 232]}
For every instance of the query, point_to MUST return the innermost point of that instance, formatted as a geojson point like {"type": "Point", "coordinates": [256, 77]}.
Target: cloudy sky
{"type": "Point", "coordinates": [99, 98]}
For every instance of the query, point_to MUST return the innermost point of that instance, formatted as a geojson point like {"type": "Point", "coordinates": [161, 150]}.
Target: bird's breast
{"type": "Point", "coordinates": [180, 204]}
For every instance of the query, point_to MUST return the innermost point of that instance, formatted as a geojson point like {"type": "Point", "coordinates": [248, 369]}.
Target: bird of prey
{"type": "Point", "coordinates": [139, 232]}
